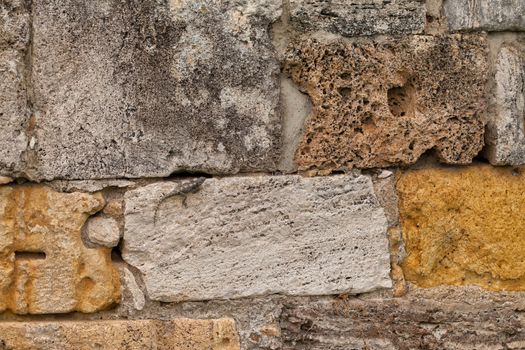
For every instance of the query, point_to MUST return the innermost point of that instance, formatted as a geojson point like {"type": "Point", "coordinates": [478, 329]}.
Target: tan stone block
{"type": "Point", "coordinates": [179, 334]}
{"type": "Point", "coordinates": [464, 226]}
{"type": "Point", "coordinates": [385, 102]}
{"type": "Point", "coordinates": [44, 265]}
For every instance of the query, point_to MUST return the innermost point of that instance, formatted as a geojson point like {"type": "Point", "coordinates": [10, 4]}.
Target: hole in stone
{"type": "Point", "coordinates": [345, 92]}
{"type": "Point", "coordinates": [401, 101]}
{"type": "Point", "coordinates": [116, 255]}
{"type": "Point", "coordinates": [345, 76]}
{"type": "Point", "coordinates": [27, 255]}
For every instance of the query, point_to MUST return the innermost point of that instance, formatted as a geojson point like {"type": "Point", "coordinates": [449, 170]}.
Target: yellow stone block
{"type": "Point", "coordinates": [44, 265]}
{"type": "Point", "coordinates": [178, 334]}
{"type": "Point", "coordinates": [464, 226]}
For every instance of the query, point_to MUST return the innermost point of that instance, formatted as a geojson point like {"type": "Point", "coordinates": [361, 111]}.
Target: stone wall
{"type": "Point", "coordinates": [262, 174]}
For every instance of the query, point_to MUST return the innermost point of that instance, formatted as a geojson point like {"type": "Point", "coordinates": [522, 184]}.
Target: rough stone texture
{"type": "Point", "coordinates": [88, 185]}
{"type": "Point", "coordinates": [103, 231]}
{"type": "Point", "coordinates": [489, 15]}
{"type": "Point", "coordinates": [360, 17]}
{"type": "Point", "coordinates": [181, 334]}
{"type": "Point", "coordinates": [381, 103]}
{"type": "Point", "coordinates": [148, 88]}
{"type": "Point", "coordinates": [296, 107]}
{"type": "Point", "coordinates": [403, 324]}
{"type": "Point", "coordinates": [506, 135]}
{"type": "Point", "coordinates": [245, 236]}
{"type": "Point", "coordinates": [44, 266]}
{"type": "Point", "coordinates": [14, 111]}
{"type": "Point", "coordinates": [131, 286]}
{"type": "Point", "coordinates": [464, 227]}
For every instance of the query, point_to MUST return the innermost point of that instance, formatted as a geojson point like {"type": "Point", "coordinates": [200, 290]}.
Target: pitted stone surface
{"type": "Point", "coordinates": [244, 236]}
{"type": "Point", "coordinates": [14, 111]}
{"type": "Point", "coordinates": [506, 135]}
{"type": "Point", "coordinates": [464, 226]}
{"type": "Point", "coordinates": [361, 17]}
{"type": "Point", "coordinates": [386, 102]}
{"type": "Point", "coordinates": [148, 88]}
{"type": "Point", "coordinates": [178, 334]}
{"type": "Point", "coordinates": [463, 322]}
{"type": "Point", "coordinates": [44, 266]}
{"type": "Point", "coordinates": [489, 15]}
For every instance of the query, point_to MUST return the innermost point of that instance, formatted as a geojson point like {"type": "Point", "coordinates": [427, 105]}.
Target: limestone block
{"type": "Point", "coordinates": [245, 236]}
{"type": "Point", "coordinates": [44, 266]}
{"type": "Point", "coordinates": [103, 231]}
{"type": "Point", "coordinates": [14, 111]}
{"type": "Point", "coordinates": [404, 323]}
{"type": "Point", "coordinates": [464, 226]}
{"type": "Point", "coordinates": [178, 334]}
{"type": "Point", "coordinates": [148, 88]}
{"type": "Point", "coordinates": [361, 17]}
{"type": "Point", "coordinates": [386, 102]}
{"type": "Point", "coordinates": [488, 15]}
{"type": "Point", "coordinates": [506, 135]}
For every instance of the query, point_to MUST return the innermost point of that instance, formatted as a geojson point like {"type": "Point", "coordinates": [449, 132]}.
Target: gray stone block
{"type": "Point", "coordinates": [489, 15]}
{"type": "Point", "coordinates": [505, 138]}
{"type": "Point", "coordinates": [145, 89]}
{"type": "Point", "coordinates": [360, 17]}
{"type": "Point", "coordinates": [14, 111]}
{"type": "Point", "coordinates": [245, 236]}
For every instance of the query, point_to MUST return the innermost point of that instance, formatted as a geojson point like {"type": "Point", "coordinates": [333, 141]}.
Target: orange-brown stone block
{"type": "Point", "coordinates": [386, 102]}
{"type": "Point", "coordinates": [464, 226]}
{"type": "Point", "coordinates": [178, 334]}
{"type": "Point", "coordinates": [44, 265]}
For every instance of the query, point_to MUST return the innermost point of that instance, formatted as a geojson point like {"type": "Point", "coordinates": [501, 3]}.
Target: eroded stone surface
{"type": "Point", "coordinates": [464, 226]}
{"type": "Point", "coordinates": [44, 266]}
{"type": "Point", "coordinates": [506, 135]}
{"type": "Point", "coordinates": [361, 17]}
{"type": "Point", "coordinates": [14, 111]}
{"type": "Point", "coordinates": [489, 15]}
{"type": "Point", "coordinates": [245, 236]}
{"type": "Point", "coordinates": [180, 334]}
{"type": "Point", "coordinates": [410, 323]}
{"type": "Point", "coordinates": [380, 103]}
{"type": "Point", "coordinates": [144, 89]}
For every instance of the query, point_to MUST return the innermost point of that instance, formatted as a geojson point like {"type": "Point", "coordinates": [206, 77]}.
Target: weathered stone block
{"type": "Point", "coordinates": [103, 231]}
{"type": "Point", "coordinates": [506, 135]}
{"type": "Point", "coordinates": [148, 88]}
{"type": "Point", "coordinates": [44, 266]}
{"type": "Point", "coordinates": [14, 111]}
{"type": "Point", "coordinates": [489, 15]}
{"type": "Point", "coordinates": [244, 236]}
{"type": "Point", "coordinates": [386, 102]}
{"type": "Point", "coordinates": [179, 334]}
{"type": "Point", "coordinates": [464, 227]}
{"type": "Point", "coordinates": [403, 323]}
{"type": "Point", "coordinates": [361, 17]}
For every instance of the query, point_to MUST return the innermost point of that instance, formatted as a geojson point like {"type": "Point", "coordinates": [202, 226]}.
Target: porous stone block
{"type": "Point", "coordinates": [148, 88]}
{"type": "Point", "coordinates": [14, 111]}
{"type": "Point", "coordinates": [489, 15]}
{"type": "Point", "coordinates": [441, 322]}
{"type": "Point", "coordinates": [463, 226]}
{"type": "Point", "coordinates": [178, 334]}
{"type": "Point", "coordinates": [44, 266]}
{"type": "Point", "coordinates": [361, 17]}
{"type": "Point", "coordinates": [386, 102]}
{"type": "Point", "coordinates": [505, 138]}
{"type": "Point", "coordinates": [235, 237]}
